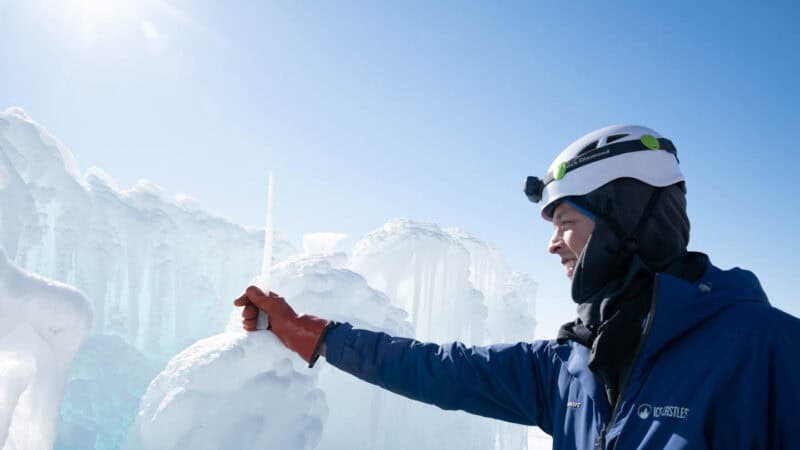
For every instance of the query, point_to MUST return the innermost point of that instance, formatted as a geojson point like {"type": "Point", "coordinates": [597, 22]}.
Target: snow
{"type": "Point", "coordinates": [160, 273]}
{"type": "Point", "coordinates": [42, 324]}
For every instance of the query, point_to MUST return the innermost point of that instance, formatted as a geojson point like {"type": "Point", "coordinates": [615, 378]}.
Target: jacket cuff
{"type": "Point", "coordinates": [335, 340]}
{"type": "Point", "coordinates": [322, 339]}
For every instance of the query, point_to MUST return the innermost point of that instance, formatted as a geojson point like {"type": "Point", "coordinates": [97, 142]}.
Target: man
{"type": "Point", "coordinates": [667, 351]}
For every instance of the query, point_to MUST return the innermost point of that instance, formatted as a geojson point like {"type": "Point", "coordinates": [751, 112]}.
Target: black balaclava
{"type": "Point", "coordinates": [619, 207]}
{"type": "Point", "coordinates": [636, 234]}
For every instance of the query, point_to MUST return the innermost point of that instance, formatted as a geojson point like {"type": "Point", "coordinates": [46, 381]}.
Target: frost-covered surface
{"type": "Point", "coordinates": [137, 254]}
{"type": "Point", "coordinates": [42, 324]}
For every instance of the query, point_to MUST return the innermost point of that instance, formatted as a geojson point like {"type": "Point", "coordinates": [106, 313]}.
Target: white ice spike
{"type": "Point", "coordinates": [266, 262]}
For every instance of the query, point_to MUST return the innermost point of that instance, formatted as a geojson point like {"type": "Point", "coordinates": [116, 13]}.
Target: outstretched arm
{"type": "Point", "coordinates": [515, 383]}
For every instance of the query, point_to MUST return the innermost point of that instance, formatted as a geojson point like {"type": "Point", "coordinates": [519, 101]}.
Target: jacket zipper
{"type": "Point", "coordinates": [600, 442]}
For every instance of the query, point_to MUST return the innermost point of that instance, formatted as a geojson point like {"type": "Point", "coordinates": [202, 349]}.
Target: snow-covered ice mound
{"type": "Point", "coordinates": [318, 285]}
{"type": "Point", "coordinates": [42, 325]}
{"type": "Point", "coordinates": [230, 391]}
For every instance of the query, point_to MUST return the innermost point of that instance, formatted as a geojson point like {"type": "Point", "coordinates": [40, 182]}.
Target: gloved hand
{"type": "Point", "coordinates": [304, 334]}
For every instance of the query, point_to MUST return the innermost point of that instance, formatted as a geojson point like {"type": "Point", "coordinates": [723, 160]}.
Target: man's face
{"type": "Point", "coordinates": [572, 231]}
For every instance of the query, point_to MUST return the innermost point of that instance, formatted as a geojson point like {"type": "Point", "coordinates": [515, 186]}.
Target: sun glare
{"type": "Point", "coordinates": [95, 18]}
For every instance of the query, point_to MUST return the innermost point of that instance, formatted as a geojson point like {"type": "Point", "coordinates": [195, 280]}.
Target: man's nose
{"type": "Point", "coordinates": [555, 242]}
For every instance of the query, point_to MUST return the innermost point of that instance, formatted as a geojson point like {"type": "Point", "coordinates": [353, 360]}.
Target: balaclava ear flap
{"type": "Point", "coordinates": [597, 263]}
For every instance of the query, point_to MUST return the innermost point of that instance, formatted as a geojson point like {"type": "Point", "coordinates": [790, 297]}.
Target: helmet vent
{"type": "Point", "coordinates": [615, 137]}
{"type": "Point", "coordinates": [589, 147]}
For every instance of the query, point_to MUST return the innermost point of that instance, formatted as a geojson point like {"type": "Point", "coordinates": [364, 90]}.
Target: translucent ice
{"type": "Point", "coordinates": [136, 253]}
{"type": "Point", "coordinates": [106, 382]}
{"type": "Point", "coordinates": [456, 288]}
{"type": "Point", "coordinates": [426, 272]}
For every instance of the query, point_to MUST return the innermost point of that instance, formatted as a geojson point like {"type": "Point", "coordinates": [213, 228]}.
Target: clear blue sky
{"type": "Point", "coordinates": [431, 110]}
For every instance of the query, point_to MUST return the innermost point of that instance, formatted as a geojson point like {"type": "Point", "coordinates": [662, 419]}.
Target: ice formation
{"type": "Point", "coordinates": [456, 288]}
{"type": "Point", "coordinates": [255, 392]}
{"type": "Point", "coordinates": [138, 254]}
{"type": "Point", "coordinates": [508, 295]}
{"type": "Point", "coordinates": [425, 272]}
{"type": "Point", "coordinates": [42, 324]}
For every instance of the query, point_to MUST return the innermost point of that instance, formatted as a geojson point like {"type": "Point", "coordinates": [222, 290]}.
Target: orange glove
{"type": "Point", "coordinates": [302, 334]}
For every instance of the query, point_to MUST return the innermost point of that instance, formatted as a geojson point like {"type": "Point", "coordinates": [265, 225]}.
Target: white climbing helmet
{"type": "Point", "coordinates": [620, 151]}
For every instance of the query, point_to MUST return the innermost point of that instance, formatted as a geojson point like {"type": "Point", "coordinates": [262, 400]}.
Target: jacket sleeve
{"type": "Point", "coordinates": [514, 383]}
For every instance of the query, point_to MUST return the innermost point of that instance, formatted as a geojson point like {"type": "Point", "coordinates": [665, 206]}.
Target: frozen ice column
{"type": "Point", "coordinates": [42, 325]}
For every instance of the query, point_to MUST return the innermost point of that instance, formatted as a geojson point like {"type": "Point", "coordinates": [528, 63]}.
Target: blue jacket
{"type": "Point", "coordinates": [717, 368]}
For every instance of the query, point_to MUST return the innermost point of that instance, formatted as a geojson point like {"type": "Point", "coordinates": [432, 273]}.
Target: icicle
{"type": "Point", "coordinates": [266, 262]}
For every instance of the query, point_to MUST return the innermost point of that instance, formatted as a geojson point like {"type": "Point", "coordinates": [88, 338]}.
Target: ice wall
{"type": "Point", "coordinates": [42, 324]}
{"type": "Point", "coordinates": [138, 254]}
{"type": "Point", "coordinates": [425, 272]}
{"type": "Point", "coordinates": [509, 296]}
{"type": "Point", "coordinates": [455, 286]}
